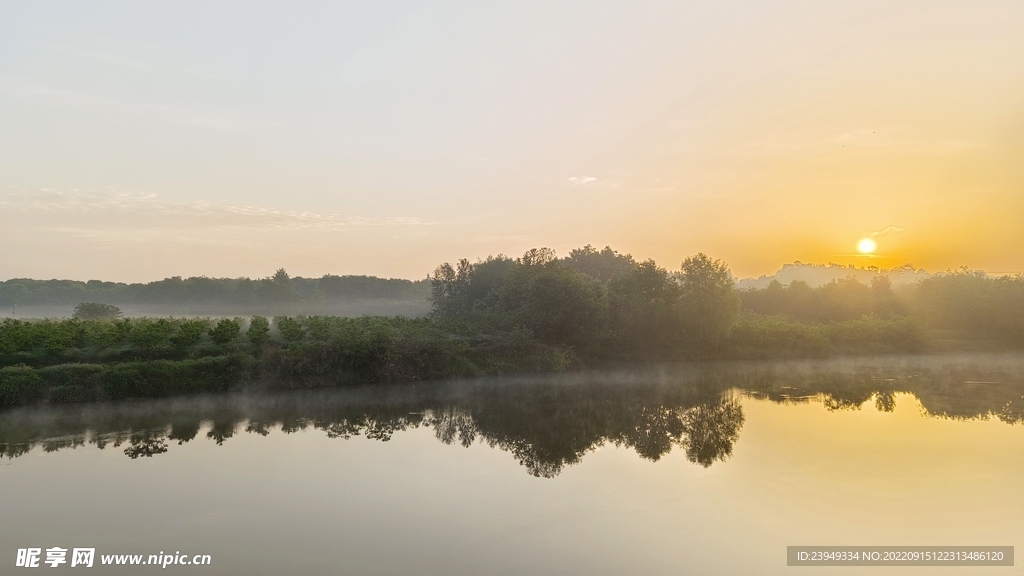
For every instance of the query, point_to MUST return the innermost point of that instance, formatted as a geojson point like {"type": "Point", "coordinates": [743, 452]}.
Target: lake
{"type": "Point", "coordinates": [670, 469]}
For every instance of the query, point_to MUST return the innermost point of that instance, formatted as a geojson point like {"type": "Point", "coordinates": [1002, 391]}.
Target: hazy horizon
{"type": "Point", "coordinates": [142, 141]}
{"type": "Point", "coordinates": [426, 275]}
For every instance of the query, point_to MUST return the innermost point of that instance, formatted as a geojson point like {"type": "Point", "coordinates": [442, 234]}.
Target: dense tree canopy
{"type": "Point", "coordinates": [601, 265]}
{"type": "Point", "coordinates": [592, 301]}
{"type": "Point", "coordinates": [501, 315]}
{"type": "Point", "coordinates": [228, 293]}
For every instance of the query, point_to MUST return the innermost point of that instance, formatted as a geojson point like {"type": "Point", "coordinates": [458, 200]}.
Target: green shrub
{"type": "Point", "coordinates": [225, 331]}
{"type": "Point", "coordinates": [61, 335]}
{"type": "Point", "coordinates": [190, 332]}
{"type": "Point", "coordinates": [15, 335]}
{"type": "Point", "coordinates": [166, 377]}
{"type": "Point", "coordinates": [8, 393]}
{"type": "Point", "coordinates": [123, 381]}
{"type": "Point", "coordinates": [70, 394]}
{"type": "Point", "coordinates": [259, 330]}
{"type": "Point", "coordinates": [291, 329]}
{"type": "Point", "coordinates": [85, 375]}
{"type": "Point", "coordinates": [19, 384]}
{"type": "Point", "coordinates": [773, 336]}
{"type": "Point", "coordinates": [873, 334]}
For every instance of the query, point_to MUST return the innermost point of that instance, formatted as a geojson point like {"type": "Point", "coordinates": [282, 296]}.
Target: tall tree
{"type": "Point", "coordinates": [708, 304]}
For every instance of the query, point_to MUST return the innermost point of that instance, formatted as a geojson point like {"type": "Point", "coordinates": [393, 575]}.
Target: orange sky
{"type": "Point", "coordinates": [142, 143]}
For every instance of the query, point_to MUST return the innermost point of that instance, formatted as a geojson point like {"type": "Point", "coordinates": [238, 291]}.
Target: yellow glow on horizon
{"type": "Point", "coordinates": [866, 246]}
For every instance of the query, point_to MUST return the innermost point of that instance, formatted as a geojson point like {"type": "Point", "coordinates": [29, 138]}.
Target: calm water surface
{"type": "Point", "coordinates": [710, 469]}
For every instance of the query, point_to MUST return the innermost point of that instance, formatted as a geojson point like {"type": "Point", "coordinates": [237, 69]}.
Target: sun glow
{"type": "Point", "coordinates": [866, 246]}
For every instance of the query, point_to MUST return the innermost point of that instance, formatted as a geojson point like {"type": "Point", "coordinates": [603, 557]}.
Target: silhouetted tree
{"type": "Point", "coordinates": [560, 305]}
{"type": "Point", "coordinates": [449, 285]}
{"type": "Point", "coordinates": [604, 265]}
{"type": "Point", "coordinates": [708, 304]}
{"type": "Point", "coordinates": [643, 303]}
{"type": "Point", "coordinates": [96, 311]}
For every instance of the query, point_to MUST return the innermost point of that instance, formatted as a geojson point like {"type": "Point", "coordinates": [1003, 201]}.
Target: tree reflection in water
{"type": "Point", "coordinates": [546, 423]}
{"type": "Point", "coordinates": [146, 443]}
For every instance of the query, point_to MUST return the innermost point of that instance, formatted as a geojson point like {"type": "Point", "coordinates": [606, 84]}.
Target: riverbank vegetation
{"type": "Point", "coordinates": [502, 315]}
{"type": "Point", "coordinates": [548, 422]}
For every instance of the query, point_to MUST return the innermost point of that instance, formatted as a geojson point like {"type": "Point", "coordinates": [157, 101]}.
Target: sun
{"type": "Point", "coordinates": [866, 246]}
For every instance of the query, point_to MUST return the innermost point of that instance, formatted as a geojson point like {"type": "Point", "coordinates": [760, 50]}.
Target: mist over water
{"type": "Point", "coordinates": [665, 469]}
{"type": "Point", "coordinates": [354, 308]}
{"type": "Point", "coordinates": [547, 422]}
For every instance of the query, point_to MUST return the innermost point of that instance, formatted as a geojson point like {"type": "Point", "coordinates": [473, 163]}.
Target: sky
{"type": "Point", "coordinates": [141, 140]}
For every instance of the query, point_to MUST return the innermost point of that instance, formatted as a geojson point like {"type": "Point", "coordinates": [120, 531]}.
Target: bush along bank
{"type": "Point", "coordinates": [61, 361]}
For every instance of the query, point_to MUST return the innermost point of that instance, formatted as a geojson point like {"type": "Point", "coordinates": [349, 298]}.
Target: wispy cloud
{"type": "Point", "coordinates": [581, 180]}
{"type": "Point", "coordinates": [146, 210]}
{"type": "Point", "coordinates": [887, 230]}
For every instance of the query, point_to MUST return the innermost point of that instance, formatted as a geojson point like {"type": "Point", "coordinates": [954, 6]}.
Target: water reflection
{"type": "Point", "coordinates": [546, 423]}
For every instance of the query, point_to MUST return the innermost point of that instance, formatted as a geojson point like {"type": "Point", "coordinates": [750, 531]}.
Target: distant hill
{"type": "Point", "coordinates": [820, 274]}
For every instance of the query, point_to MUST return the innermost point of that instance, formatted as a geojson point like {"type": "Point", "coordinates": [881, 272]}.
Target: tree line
{"type": "Point", "coordinates": [506, 315]}
{"type": "Point", "coordinates": [603, 304]}
{"type": "Point", "coordinates": [962, 304]}
{"type": "Point", "coordinates": [595, 303]}
{"type": "Point", "coordinates": [279, 288]}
